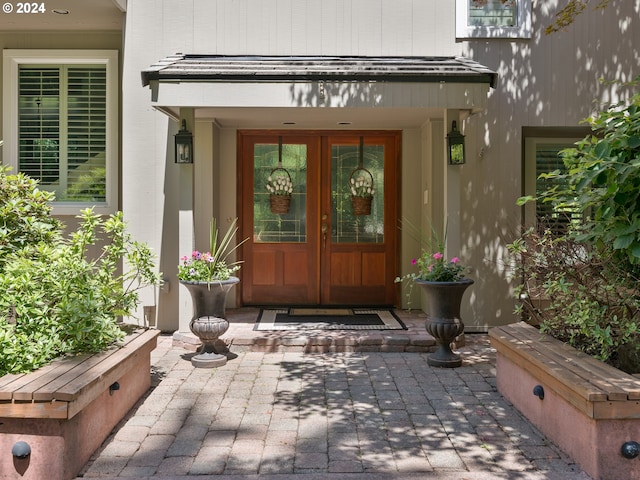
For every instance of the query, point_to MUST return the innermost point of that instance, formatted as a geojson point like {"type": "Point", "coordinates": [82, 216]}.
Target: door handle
{"type": "Point", "coordinates": [324, 230]}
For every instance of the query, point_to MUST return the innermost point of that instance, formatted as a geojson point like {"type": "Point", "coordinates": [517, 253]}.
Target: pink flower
{"type": "Point", "coordinates": [455, 260]}
{"type": "Point", "coordinates": [414, 261]}
{"type": "Point", "coordinates": [437, 256]}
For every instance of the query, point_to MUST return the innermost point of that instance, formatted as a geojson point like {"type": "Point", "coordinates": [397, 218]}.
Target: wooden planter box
{"type": "Point", "coordinates": [65, 410]}
{"type": "Point", "coordinates": [590, 409]}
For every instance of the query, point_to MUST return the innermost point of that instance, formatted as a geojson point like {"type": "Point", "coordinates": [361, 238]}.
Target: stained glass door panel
{"type": "Point", "coordinates": [318, 251]}
{"type": "Point", "coordinates": [359, 261]}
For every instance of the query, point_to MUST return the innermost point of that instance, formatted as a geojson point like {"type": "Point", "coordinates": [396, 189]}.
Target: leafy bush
{"type": "Point", "coordinates": [54, 298]}
{"type": "Point", "coordinates": [25, 214]}
{"type": "Point", "coordinates": [602, 180]}
{"type": "Point", "coordinates": [580, 297]}
{"type": "Point", "coordinates": [589, 276]}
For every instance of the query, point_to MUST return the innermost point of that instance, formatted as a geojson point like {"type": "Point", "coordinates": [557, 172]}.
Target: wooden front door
{"type": "Point", "coordinates": [319, 252]}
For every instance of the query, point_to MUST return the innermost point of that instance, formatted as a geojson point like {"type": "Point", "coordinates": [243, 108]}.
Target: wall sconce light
{"type": "Point", "coordinates": [455, 143]}
{"type": "Point", "coordinates": [184, 145]}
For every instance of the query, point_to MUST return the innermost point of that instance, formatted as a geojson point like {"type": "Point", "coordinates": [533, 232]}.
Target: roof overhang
{"type": "Point", "coordinates": [222, 81]}
{"type": "Point", "coordinates": [218, 68]}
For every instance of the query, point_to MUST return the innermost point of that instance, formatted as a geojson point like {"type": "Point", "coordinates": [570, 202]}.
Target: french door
{"type": "Point", "coordinates": [318, 250]}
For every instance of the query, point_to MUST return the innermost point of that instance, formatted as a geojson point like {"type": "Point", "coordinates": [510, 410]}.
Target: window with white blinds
{"type": "Point", "coordinates": [542, 155]}
{"type": "Point", "coordinates": [548, 159]}
{"type": "Point", "coordinates": [62, 123]}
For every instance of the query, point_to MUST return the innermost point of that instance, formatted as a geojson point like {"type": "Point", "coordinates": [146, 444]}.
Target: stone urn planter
{"type": "Point", "coordinates": [443, 318]}
{"type": "Point", "coordinates": [209, 322]}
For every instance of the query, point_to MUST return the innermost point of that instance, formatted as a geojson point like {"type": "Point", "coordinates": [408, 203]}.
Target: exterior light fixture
{"type": "Point", "coordinates": [455, 144]}
{"type": "Point", "coordinates": [184, 144]}
{"type": "Point", "coordinates": [21, 450]}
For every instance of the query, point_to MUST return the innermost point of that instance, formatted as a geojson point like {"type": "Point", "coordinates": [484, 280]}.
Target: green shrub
{"type": "Point", "coordinates": [602, 181]}
{"type": "Point", "coordinates": [54, 298]}
{"type": "Point", "coordinates": [578, 296]}
{"type": "Point", "coordinates": [588, 278]}
{"type": "Point", "coordinates": [25, 214]}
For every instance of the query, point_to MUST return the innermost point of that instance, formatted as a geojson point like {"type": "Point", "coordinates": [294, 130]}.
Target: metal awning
{"type": "Point", "coordinates": [229, 68]}
{"type": "Point", "coordinates": [315, 91]}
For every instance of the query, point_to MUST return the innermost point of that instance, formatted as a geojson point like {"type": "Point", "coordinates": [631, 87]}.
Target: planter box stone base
{"type": "Point", "coordinates": [64, 411]}
{"type": "Point", "coordinates": [586, 407]}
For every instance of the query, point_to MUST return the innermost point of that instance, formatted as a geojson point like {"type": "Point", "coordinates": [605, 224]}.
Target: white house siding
{"type": "Point", "coordinates": [544, 81]}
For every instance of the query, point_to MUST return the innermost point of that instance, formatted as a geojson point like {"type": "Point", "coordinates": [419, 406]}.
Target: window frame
{"type": "Point", "coordinates": [532, 137]}
{"type": "Point", "coordinates": [521, 30]}
{"type": "Point", "coordinates": [12, 61]}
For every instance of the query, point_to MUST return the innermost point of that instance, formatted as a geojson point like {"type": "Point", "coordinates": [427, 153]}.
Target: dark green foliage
{"type": "Point", "coordinates": [580, 297]}
{"type": "Point", "coordinates": [602, 181]}
{"type": "Point", "coordinates": [54, 299]}
{"type": "Point", "coordinates": [25, 214]}
{"type": "Point", "coordinates": [588, 278]}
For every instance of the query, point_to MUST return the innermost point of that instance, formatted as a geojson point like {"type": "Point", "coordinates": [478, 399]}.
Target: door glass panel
{"type": "Point", "coordinates": [347, 227]}
{"type": "Point", "coordinates": [279, 227]}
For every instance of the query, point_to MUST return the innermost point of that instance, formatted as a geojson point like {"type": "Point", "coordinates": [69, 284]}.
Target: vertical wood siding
{"type": "Point", "coordinates": [314, 27]}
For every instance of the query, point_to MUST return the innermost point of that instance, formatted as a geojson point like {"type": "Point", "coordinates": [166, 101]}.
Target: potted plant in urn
{"type": "Point", "coordinates": [443, 281]}
{"type": "Point", "coordinates": [208, 277]}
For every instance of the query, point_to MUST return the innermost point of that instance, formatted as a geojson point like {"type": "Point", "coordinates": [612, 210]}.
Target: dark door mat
{"type": "Point", "coordinates": [316, 311]}
{"type": "Point", "coordinates": [359, 319]}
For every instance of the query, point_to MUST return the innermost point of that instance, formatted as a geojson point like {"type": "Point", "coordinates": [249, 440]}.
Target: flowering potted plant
{"type": "Point", "coordinates": [208, 277]}
{"type": "Point", "coordinates": [211, 266]}
{"type": "Point", "coordinates": [280, 188]}
{"type": "Point", "coordinates": [433, 267]}
{"type": "Point", "coordinates": [444, 283]}
{"type": "Point", "coordinates": [362, 191]}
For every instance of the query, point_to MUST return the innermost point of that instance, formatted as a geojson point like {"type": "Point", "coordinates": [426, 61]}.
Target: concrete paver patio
{"type": "Point", "coordinates": [287, 414]}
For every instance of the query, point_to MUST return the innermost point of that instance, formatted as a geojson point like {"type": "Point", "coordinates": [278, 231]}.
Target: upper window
{"type": "Point", "coordinates": [61, 124]}
{"type": "Point", "coordinates": [493, 18]}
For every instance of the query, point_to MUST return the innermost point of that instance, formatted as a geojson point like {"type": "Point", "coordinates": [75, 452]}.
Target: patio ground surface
{"type": "Point", "coordinates": [283, 413]}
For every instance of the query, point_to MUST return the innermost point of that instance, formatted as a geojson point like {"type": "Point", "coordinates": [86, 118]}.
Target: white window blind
{"type": "Point", "coordinates": [62, 122]}
{"type": "Point", "coordinates": [548, 160]}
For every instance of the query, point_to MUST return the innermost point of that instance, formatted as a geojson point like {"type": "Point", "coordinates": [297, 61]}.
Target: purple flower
{"type": "Point", "coordinates": [455, 260]}
{"type": "Point", "coordinates": [438, 256]}
{"type": "Point", "coordinates": [414, 261]}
